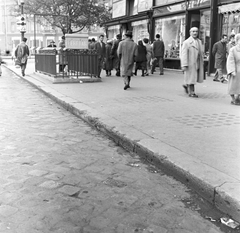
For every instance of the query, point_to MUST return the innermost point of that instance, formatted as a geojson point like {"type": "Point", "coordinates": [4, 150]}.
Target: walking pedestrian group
{"type": "Point", "coordinates": [127, 57]}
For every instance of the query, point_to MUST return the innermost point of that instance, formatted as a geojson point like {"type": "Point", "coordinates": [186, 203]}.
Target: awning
{"type": "Point", "coordinates": [229, 8]}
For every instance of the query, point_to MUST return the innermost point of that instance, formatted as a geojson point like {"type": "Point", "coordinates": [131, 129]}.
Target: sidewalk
{"type": "Point", "coordinates": [195, 140]}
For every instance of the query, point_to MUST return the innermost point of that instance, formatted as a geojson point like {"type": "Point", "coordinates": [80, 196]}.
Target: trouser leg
{"type": "Point", "coordinates": [161, 65]}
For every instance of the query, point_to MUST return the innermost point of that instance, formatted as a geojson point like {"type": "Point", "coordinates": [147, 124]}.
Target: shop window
{"type": "Point", "coordinates": [230, 23]}
{"type": "Point", "coordinates": [140, 30]}
{"type": "Point", "coordinates": [204, 32]}
{"type": "Point", "coordinates": [172, 31]}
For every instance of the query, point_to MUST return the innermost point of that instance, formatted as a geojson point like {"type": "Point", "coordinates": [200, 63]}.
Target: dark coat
{"type": "Point", "coordinates": [109, 60]}
{"type": "Point", "coordinates": [219, 51]}
{"type": "Point", "coordinates": [141, 53]}
{"type": "Point", "coordinates": [101, 50]}
{"type": "Point", "coordinates": [158, 48]}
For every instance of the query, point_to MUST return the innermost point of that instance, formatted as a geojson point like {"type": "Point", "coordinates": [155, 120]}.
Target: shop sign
{"type": "Point", "coordinates": [118, 8]}
{"type": "Point", "coordinates": [169, 9]}
{"type": "Point", "coordinates": [139, 22]}
{"type": "Point", "coordinates": [198, 3]}
{"type": "Point", "coordinates": [166, 2]}
{"type": "Point", "coordinates": [76, 41]}
{"type": "Point", "coordinates": [144, 5]}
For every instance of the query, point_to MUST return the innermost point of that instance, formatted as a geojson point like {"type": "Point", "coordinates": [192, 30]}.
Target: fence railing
{"type": "Point", "coordinates": [67, 63]}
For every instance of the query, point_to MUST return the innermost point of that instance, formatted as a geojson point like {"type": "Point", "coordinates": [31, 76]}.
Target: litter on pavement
{"type": "Point", "coordinates": [229, 222]}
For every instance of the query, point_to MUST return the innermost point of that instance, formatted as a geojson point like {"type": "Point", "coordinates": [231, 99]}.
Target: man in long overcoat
{"type": "Point", "coordinates": [21, 54]}
{"type": "Point", "coordinates": [192, 62]}
{"type": "Point", "coordinates": [127, 52]}
{"type": "Point", "coordinates": [219, 51]}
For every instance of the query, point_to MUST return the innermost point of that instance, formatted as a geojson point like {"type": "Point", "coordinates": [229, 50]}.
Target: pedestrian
{"type": "Point", "coordinates": [158, 54]}
{"type": "Point", "coordinates": [62, 57]}
{"type": "Point", "coordinates": [116, 60]}
{"type": "Point", "coordinates": [149, 55]}
{"type": "Point", "coordinates": [141, 59]}
{"type": "Point", "coordinates": [233, 70]}
{"type": "Point", "coordinates": [101, 51]}
{"type": "Point", "coordinates": [127, 52]}
{"type": "Point", "coordinates": [0, 64]}
{"type": "Point", "coordinates": [92, 44]}
{"type": "Point", "coordinates": [61, 44]}
{"type": "Point", "coordinates": [21, 54]}
{"type": "Point", "coordinates": [108, 66]}
{"type": "Point", "coordinates": [192, 62]}
{"type": "Point", "coordinates": [52, 44]}
{"type": "Point", "coordinates": [231, 43]}
{"type": "Point", "coordinates": [219, 51]}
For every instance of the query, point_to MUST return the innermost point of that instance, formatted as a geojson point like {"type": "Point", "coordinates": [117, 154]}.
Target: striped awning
{"type": "Point", "coordinates": [229, 8]}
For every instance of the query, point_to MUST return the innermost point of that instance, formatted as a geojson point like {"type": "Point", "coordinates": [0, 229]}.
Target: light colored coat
{"type": "Point", "coordinates": [189, 57]}
{"type": "Point", "coordinates": [127, 50]}
{"type": "Point", "coordinates": [233, 65]}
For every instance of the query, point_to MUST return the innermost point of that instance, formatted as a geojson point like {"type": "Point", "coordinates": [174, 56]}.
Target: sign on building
{"type": "Point", "coordinates": [76, 41]}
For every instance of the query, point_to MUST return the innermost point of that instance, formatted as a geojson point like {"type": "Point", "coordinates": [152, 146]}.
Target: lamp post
{"type": "Point", "coordinates": [22, 23]}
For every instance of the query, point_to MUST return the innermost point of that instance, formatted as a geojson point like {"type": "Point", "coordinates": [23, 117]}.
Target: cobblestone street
{"type": "Point", "coordinates": [59, 175]}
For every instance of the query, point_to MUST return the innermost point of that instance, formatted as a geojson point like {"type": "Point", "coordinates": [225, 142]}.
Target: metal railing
{"type": "Point", "coordinates": [67, 63]}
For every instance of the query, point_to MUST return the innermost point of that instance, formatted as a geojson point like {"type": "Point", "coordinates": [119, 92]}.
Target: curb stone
{"type": "Point", "coordinates": [218, 194]}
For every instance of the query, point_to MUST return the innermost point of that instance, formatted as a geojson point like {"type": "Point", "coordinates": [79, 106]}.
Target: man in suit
{"type": "Point", "coordinates": [192, 62]}
{"type": "Point", "coordinates": [101, 51]}
{"type": "Point", "coordinates": [158, 54]}
{"type": "Point", "coordinates": [219, 51]}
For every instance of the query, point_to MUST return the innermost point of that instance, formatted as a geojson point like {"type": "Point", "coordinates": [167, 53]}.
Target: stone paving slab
{"type": "Point", "coordinates": [196, 140]}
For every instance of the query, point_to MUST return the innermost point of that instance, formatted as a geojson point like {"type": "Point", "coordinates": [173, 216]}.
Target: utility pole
{"type": "Point", "coordinates": [22, 23]}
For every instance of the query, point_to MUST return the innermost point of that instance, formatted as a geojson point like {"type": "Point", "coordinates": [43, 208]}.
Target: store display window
{"type": "Point", "coordinates": [204, 32]}
{"type": "Point", "coordinates": [113, 31]}
{"type": "Point", "coordinates": [140, 30]}
{"type": "Point", "coordinates": [172, 31]}
{"type": "Point", "coordinates": [231, 23]}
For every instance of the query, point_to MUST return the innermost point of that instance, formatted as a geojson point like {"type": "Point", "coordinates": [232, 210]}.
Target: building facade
{"type": "Point", "coordinates": [172, 19]}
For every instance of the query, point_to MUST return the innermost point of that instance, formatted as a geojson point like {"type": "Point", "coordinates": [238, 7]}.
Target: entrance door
{"type": "Point", "coordinates": [193, 20]}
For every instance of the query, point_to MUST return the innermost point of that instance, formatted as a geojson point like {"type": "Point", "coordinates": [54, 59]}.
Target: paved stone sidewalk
{"type": "Point", "coordinates": [197, 140]}
{"type": "Point", "coordinates": [58, 175]}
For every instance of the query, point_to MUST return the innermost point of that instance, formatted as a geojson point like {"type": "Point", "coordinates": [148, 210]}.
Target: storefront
{"type": "Point", "coordinates": [230, 18]}
{"type": "Point", "coordinates": [173, 23]}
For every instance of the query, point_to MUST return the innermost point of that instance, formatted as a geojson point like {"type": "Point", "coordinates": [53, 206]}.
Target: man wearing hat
{"type": "Point", "coordinates": [127, 51]}
{"type": "Point", "coordinates": [52, 44]}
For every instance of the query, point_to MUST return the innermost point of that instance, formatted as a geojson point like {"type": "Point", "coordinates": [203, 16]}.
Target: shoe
{"type": "Point", "coordinates": [193, 95]}
{"type": "Point", "coordinates": [128, 86]}
{"type": "Point", "coordinates": [125, 87]}
{"type": "Point", "coordinates": [234, 102]}
{"type": "Point", "coordinates": [147, 74]}
{"type": "Point", "coordinates": [216, 80]}
{"type": "Point", "coordinates": [152, 72]}
{"type": "Point", "coordinates": [118, 74]}
{"type": "Point", "coordinates": [98, 77]}
{"type": "Point", "coordinates": [224, 80]}
{"type": "Point", "coordinates": [185, 88]}
{"type": "Point", "coordinates": [161, 73]}
{"type": "Point", "coordinates": [23, 74]}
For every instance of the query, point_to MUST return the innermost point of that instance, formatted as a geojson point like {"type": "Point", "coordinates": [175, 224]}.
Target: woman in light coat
{"type": "Point", "coordinates": [233, 70]}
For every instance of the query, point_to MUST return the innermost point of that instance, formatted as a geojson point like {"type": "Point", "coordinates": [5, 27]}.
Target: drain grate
{"type": "Point", "coordinates": [208, 120]}
{"type": "Point", "coordinates": [145, 99]}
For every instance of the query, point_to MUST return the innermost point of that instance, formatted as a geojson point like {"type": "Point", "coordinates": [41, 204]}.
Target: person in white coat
{"type": "Point", "coordinates": [192, 62]}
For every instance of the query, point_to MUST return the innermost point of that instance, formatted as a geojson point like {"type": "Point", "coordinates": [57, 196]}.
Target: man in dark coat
{"type": "Point", "coordinates": [101, 51]}
{"type": "Point", "coordinates": [21, 54]}
{"type": "Point", "coordinates": [158, 53]}
{"type": "Point", "coordinates": [219, 51]}
{"type": "Point", "coordinates": [116, 60]}
{"type": "Point", "coordinates": [52, 44]}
